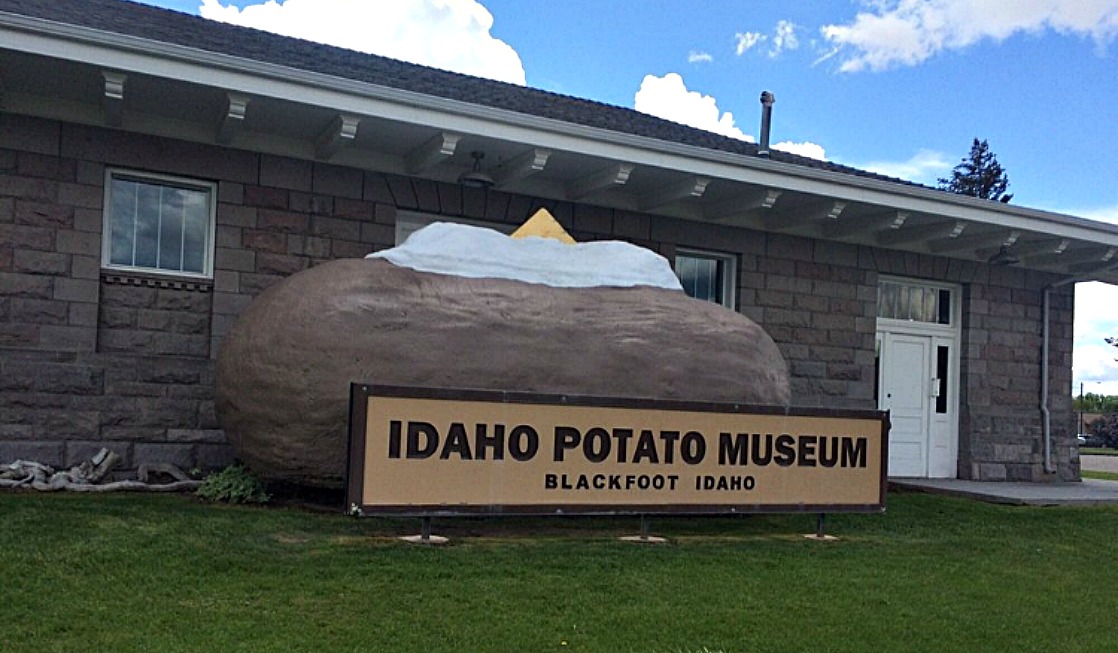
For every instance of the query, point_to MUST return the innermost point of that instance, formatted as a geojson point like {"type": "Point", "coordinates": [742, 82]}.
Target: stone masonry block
{"type": "Point", "coordinates": [179, 455]}
{"type": "Point", "coordinates": [279, 263]}
{"type": "Point", "coordinates": [264, 241]}
{"type": "Point", "coordinates": [38, 311]}
{"type": "Point", "coordinates": [117, 295]}
{"type": "Point", "coordinates": [426, 195]}
{"type": "Point", "coordinates": [34, 262]}
{"type": "Point", "coordinates": [29, 134]}
{"type": "Point", "coordinates": [44, 214]}
{"type": "Point", "coordinates": [328, 179]}
{"type": "Point", "coordinates": [498, 206]}
{"type": "Point", "coordinates": [50, 167]}
{"type": "Point", "coordinates": [212, 436]}
{"type": "Point", "coordinates": [79, 242]}
{"type": "Point", "coordinates": [90, 173]}
{"type": "Point", "coordinates": [236, 259]}
{"type": "Point", "coordinates": [354, 209]}
{"type": "Point", "coordinates": [80, 195]}
{"type": "Point", "coordinates": [450, 198]}
{"type": "Point", "coordinates": [284, 221]}
{"type": "Point", "coordinates": [230, 303]}
{"type": "Point", "coordinates": [82, 315]}
{"type": "Point", "coordinates": [85, 267]}
{"type": "Point", "coordinates": [235, 215]}
{"type": "Point", "coordinates": [285, 172]}
{"type": "Point", "coordinates": [346, 249]}
{"type": "Point", "coordinates": [29, 188]}
{"type": "Point", "coordinates": [77, 290]}
{"type": "Point", "coordinates": [336, 228]}
{"type": "Point", "coordinates": [386, 214]}
{"type": "Point", "coordinates": [376, 189]}
{"type": "Point", "coordinates": [26, 237]}
{"type": "Point", "coordinates": [627, 224]}
{"type": "Point", "coordinates": [213, 456]}
{"type": "Point", "coordinates": [230, 192]}
{"type": "Point", "coordinates": [26, 285]}
{"type": "Point", "coordinates": [89, 220]}
{"type": "Point", "coordinates": [46, 453]}
{"type": "Point", "coordinates": [67, 337]}
{"type": "Point", "coordinates": [789, 247]}
{"type": "Point", "coordinates": [378, 233]}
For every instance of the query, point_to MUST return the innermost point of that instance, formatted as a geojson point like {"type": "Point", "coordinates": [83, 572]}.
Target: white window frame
{"type": "Point", "coordinates": [409, 222]}
{"type": "Point", "coordinates": [168, 180]}
{"type": "Point", "coordinates": [729, 268]}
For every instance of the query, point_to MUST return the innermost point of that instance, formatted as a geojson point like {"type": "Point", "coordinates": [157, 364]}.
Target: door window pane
{"type": "Point", "coordinates": [913, 301]}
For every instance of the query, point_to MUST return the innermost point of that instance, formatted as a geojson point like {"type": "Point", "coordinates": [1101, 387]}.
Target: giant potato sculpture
{"type": "Point", "coordinates": [284, 370]}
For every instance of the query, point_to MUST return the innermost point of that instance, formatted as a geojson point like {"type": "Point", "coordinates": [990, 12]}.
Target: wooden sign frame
{"type": "Point", "coordinates": [426, 452]}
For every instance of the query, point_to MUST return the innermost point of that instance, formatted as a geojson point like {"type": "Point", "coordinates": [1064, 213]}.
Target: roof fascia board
{"type": "Point", "coordinates": [129, 53]}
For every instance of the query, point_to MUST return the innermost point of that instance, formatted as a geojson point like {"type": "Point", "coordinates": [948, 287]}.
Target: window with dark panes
{"type": "Point", "coordinates": [707, 276]}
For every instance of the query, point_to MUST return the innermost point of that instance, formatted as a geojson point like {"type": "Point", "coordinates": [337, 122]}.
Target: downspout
{"type": "Point", "coordinates": [1049, 468]}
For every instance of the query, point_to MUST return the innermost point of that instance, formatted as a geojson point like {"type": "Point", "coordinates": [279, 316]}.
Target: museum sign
{"type": "Point", "coordinates": [422, 451]}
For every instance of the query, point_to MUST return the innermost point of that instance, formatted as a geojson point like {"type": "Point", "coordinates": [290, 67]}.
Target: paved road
{"type": "Point", "coordinates": [1099, 463]}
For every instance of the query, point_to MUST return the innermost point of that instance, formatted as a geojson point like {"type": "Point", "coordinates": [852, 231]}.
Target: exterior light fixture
{"type": "Point", "coordinates": [1003, 257]}
{"type": "Point", "coordinates": [475, 178]}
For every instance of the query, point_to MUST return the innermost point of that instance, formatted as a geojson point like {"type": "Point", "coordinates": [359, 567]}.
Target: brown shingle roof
{"type": "Point", "coordinates": [157, 24]}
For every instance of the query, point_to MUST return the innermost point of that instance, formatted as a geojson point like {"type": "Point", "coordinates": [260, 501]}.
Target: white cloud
{"type": "Point", "coordinates": [447, 34]}
{"type": "Point", "coordinates": [784, 38]}
{"type": "Point", "coordinates": [747, 40]}
{"type": "Point", "coordinates": [806, 148]}
{"type": "Point", "coordinates": [699, 57]}
{"type": "Point", "coordinates": [926, 166]}
{"type": "Point", "coordinates": [907, 32]}
{"type": "Point", "coordinates": [667, 97]}
{"type": "Point", "coordinates": [1095, 319]}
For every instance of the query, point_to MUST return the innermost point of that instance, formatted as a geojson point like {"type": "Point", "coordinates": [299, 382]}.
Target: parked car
{"type": "Point", "coordinates": [1091, 440]}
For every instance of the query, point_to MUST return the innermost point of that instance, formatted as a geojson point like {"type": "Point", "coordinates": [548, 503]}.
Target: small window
{"type": "Point", "coordinates": [158, 224]}
{"type": "Point", "coordinates": [914, 302]}
{"type": "Point", "coordinates": [707, 276]}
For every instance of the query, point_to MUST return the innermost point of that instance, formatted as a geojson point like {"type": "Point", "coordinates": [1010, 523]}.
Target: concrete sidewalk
{"type": "Point", "coordinates": [1090, 492]}
{"type": "Point", "coordinates": [1095, 463]}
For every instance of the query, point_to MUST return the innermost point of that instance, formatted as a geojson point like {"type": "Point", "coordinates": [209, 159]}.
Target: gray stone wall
{"type": "Point", "coordinates": [90, 358]}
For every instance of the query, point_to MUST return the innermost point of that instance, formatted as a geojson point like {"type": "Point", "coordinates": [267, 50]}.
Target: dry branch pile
{"type": "Point", "coordinates": [87, 476]}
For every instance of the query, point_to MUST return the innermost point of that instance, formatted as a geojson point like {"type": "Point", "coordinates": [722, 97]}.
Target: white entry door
{"type": "Point", "coordinates": [918, 384]}
{"type": "Point", "coordinates": [905, 361]}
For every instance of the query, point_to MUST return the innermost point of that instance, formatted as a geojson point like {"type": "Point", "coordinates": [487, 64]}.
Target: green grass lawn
{"type": "Point", "coordinates": [1105, 476]}
{"type": "Point", "coordinates": [166, 573]}
{"type": "Point", "coordinates": [1097, 451]}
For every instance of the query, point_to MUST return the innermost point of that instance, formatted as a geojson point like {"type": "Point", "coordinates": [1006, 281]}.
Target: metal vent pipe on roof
{"type": "Point", "coordinates": [767, 100]}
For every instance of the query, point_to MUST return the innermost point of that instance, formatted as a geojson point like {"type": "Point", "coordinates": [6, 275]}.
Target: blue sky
{"type": "Point", "coordinates": [896, 86]}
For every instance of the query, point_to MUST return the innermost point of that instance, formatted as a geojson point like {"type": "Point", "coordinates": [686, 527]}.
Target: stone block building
{"type": "Point", "coordinates": [158, 171]}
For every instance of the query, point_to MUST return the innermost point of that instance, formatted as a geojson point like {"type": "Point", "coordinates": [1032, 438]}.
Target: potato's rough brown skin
{"type": "Point", "coordinates": [284, 369]}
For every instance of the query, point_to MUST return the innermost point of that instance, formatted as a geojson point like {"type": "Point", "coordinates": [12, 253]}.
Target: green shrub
{"type": "Point", "coordinates": [234, 484]}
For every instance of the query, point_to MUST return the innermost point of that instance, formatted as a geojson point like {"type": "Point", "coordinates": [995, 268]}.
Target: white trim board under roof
{"type": "Point", "coordinates": [391, 126]}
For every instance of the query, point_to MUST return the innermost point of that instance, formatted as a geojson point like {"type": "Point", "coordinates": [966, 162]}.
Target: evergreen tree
{"type": "Point", "coordinates": [978, 175]}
